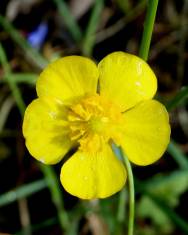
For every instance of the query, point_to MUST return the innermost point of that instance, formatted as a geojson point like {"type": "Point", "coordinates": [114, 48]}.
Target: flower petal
{"type": "Point", "coordinates": [93, 175]}
{"type": "Point", "coordinates": [68, 77]}
{"type": "Point", "coordinates": [45, 133]}
{"type": "Point", "coordinates": [146, 132]}
{"type": "Point", "coordinates": [126, 78]}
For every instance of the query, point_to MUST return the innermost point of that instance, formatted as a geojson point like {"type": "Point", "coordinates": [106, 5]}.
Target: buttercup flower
{"type": "Point", "coordinates": [88, 107]}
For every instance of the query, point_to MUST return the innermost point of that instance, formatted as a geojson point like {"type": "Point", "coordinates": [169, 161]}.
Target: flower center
{"type": "Point", "coordinates": [93, 121]}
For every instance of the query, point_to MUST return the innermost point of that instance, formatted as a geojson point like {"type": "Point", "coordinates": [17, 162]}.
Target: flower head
{"type": "Point", "coordinates": [88, 107]}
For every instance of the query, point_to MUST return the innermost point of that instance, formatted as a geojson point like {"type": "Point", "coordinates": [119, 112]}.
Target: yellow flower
{"type": "Point", "coordinates": [87, 107]}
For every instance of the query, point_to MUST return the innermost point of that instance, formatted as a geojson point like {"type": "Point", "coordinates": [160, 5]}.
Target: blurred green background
{"type": "Point", "coordinates": [35, 32]}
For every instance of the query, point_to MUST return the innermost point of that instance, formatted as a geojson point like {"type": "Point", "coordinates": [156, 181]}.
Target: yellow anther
{"type": "Point", "coordinates": [92, 121]}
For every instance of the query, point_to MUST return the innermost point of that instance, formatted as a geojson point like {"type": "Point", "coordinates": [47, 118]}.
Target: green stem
{"type": "Point", "coordinates": [119, 152]}
{"type": "Point", "coordinates": [148, 29]}
{"type": "Point", "coordinates": [121, 206]}
{"type": "Point", "coordinates": [143, 53]}
{"type": "Point", "coordinates": [131, 194]}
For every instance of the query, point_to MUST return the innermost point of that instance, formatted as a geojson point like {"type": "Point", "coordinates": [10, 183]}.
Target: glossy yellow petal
{"type": "Point", "coordinates": [68, 77]}
{"type": "Point", "coordinates": [146, 132]}
{"type": "Point", "coordinates": [45, 131]}
{"type": "Point", "coordinates": [126, 79]}
{"type": "Point", "coordinates": [90, 176]}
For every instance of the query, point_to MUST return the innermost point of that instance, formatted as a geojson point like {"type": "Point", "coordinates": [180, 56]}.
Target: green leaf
{"type": "Point", "coordinates": [146, 208]}
{"type": "Point", "coordinates": [169, 187]}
